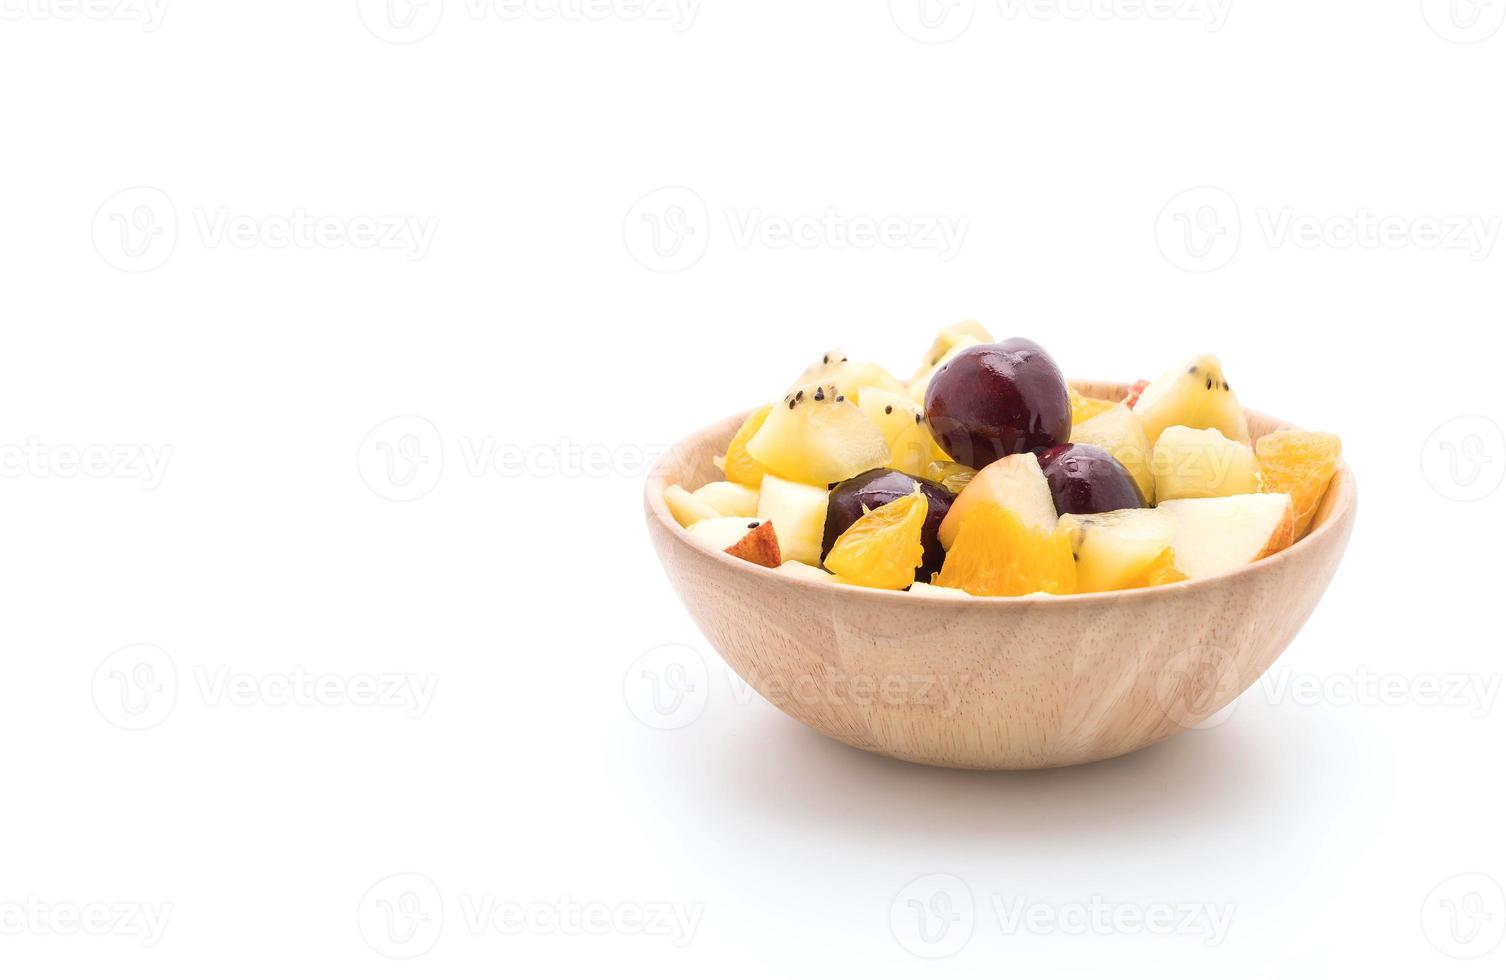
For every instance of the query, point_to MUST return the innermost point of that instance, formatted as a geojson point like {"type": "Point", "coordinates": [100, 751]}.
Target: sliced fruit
{"type": "Point", "coordinates": [759, 546]}
{"type": "Point", "coordinates": [1014, 482]}
{"type": "Point", "coordinates": [882, 548]}
{"type": "Point", "coordinates": [1162, 571]}
{"type": "Point", "coordinates": [892, 413]}
{"type": "Point", "coordinates": [738, 466]}
{"type": "Point", "coordinates": [816, 436]}
{"type": "Point", "coordinates": [1119, 431]}
{"type": "Point", "coordinates": [798, 569]}
{"type": "Point", "coordinates": [992, 400]}
{"type": "Point", "coordinates": [850, 376]}
{"type": "Point", "coordinates": [1301, 464]}
{"type": "Point", "coordinates": [724, 533]}
{"type": "Point", "coordinates": [951, 338]}
{"type": "Point", "coordinates": [850, 500]}
{"type": "Point", "coordinates": [949, 343]}
{"type": "Point", "coordinates": [1201, 463]}
{"type": "Point", "coordinates": [729, 499]}
{"type": "Point", "coordinates": [1084, 408]}
{"type": "Point", "coordinates": [798, 513]}
{"type": "Point", "coordinates": [953, 476]}
{"type": "Point", "coordinates": [921, 588]}
{"type": "Point", "coordinates": [998, 554]}
{"type": "Point", "coordinates": [686, 508]}
{"type": "Point", "coordinates": [1220, 534]}
{"type": "Point", "coordinates": [1196, 395]}
{"type": "Point", "coordinates": [1088, 480]}
{"type": "Point", "coordinates": [1115, 549]}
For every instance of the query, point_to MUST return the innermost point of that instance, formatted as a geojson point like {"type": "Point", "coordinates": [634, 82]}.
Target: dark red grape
{"type": "Point", "coordinates": [994, 400]}
{"type": "Point", "coordinates": [1087, 480]}
{"type": "Point", "coordinates": [876, 488]}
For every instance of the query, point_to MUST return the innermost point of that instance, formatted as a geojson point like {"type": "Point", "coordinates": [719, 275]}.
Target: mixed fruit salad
{"type": "Point", "coordinates": [988, 475]}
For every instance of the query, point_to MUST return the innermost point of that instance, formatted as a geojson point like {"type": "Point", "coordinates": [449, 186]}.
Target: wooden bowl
{"type": "Point", "coordinates": [995, 683]}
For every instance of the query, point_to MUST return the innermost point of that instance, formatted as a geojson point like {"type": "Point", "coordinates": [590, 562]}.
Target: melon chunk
{"type": "Point", "coordinates": [686, 508]}
{"type": "Point", "coordinates": [1201, 463]}
{"type": "Point", "coordinates": [1220, 534]}
{"type": "Point", "coordinates": [798, 513]}
{"type": "Point", "coordinates": [729, 499]}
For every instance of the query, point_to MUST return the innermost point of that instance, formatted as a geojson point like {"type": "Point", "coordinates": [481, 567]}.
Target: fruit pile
{"type": "Point", "coordinates": [987, 474]}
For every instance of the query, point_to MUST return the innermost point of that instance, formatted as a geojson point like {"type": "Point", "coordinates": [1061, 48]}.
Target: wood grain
{"type": "Point", "coordinates": [995, 683]}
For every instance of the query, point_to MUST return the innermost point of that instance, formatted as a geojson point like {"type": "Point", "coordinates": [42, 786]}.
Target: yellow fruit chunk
{"type": "Point", "coordinates": [1301, 464]}
{"type": "Point", "coordinates": [686, 507]}
{"type": "Point", "coordinates": [882, 548]}
{"type": "Point", "coordinates": [817, 436]}
{"type": "Point", "coordinates": [1084, 408]}
{"type": "Point", "coordinates": [953, 476]}
{"type": "Point", "coordinates": [1162, 571]}
{"type": "Point", "coordinates": [996, 554]}
{"type": "Point", "coordinates": [737, 464]}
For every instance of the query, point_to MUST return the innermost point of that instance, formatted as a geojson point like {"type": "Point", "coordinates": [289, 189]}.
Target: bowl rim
{"type": "Point", "coordinates": [655, 484]}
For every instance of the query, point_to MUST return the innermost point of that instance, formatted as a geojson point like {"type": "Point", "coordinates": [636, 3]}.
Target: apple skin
{"type": "Point", "coordinates": [994, 400]}
{"type": "Point", "coordinates": [1087, 480]}
{"type": "Point", "coordinates": [876, 488]}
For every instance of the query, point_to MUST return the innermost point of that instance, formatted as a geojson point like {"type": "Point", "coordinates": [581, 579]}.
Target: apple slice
{"type": "Point", "coordinates": [686, 507]}
{"type": "Point", "coordinates": [759, 546]}
{"type": "Point", "coordinates": [1220, 534]}
{"type": "Point", "coordinates": [1201, 463]}
{"type": "Point", "coordinates": [729, 499]}
{"type": "Point", "coordinates": [722, 533]}
{"type": "Point", "coordinates": [1118, 432]}
{"type": "Point", "coordinates": [798, 513]}
{"type": "Point", "coordinates": [1196, 395]}
{"type": "Point", "coordinates": [1015, 483]}
{"type": "Point", "coordinates": [1115, 548]}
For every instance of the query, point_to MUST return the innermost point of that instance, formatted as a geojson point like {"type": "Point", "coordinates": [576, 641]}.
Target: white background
{"type": "Point", "coordinates": [529, 330]}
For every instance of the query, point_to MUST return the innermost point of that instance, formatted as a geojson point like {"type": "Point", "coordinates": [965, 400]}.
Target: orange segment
{"type": "Point", "coordinates": [1162, 571]}
{"type": "Point", "coordinates": [882, 548]}
{"type": "Point", "coordinates": [1301, 464]}
{"type": "Point", "coordinates": [996, 554]}
{"type": "Point", "coordinates": [737, 464]}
